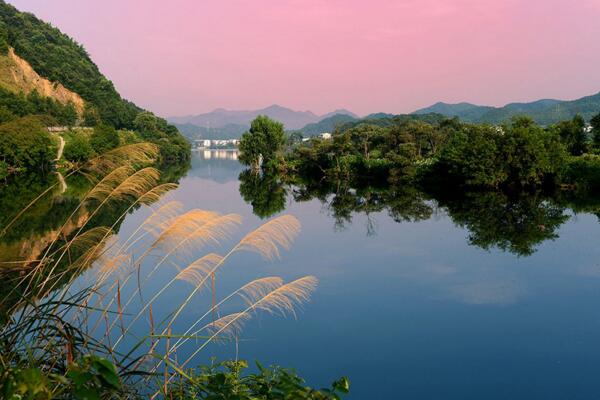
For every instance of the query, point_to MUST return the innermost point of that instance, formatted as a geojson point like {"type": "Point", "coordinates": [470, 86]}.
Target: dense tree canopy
{"type": "Point", "coordinates": [25, 144]}
{"type": "Point", "coordinates": [572, 134]}
{"type": "Point", "coordinates": [265, 140]}
{"type": "Point", "coordinates": [104, 138]}
{"type": "Point", "coordinates": [595, 123]}
{"type": "Point", "coordinates": [60, 59]}
{"type": "Point", "coordinates": [78, 149]}
{"type": "Point", "coordinates": [19, 105]}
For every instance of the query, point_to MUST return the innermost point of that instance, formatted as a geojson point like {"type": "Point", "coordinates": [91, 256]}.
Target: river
{"type": "Point", "coordinates": [441, 303]}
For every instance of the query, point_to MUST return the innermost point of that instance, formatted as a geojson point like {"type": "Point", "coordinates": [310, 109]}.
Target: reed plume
{"type": "Point", "coordinates": [267, 240]}
{"type": "Point", "coordinates": [282, 300]}
{"type": "Point", "coordinates": [164, 237]}
{"type": "Point", "coordinates": [196, 272]}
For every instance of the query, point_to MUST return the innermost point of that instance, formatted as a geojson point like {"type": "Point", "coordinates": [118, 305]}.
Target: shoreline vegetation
{"type": "Point", "coordinates": [64, 337]}
{"type": "Point", "coordinates": [509, 185]}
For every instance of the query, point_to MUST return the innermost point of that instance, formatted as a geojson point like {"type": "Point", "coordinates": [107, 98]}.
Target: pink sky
{"type": "Point", "coordinates": [190, 56]}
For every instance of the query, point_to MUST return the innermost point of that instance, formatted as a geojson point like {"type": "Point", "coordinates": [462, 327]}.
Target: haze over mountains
{"type": "Point", "coordinates": [222, 117]}
{"type": "Point", "coordinates": [223, 123]}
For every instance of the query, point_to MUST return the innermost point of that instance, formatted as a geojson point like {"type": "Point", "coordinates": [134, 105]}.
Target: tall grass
{"type": "Point", "coordinates": [58, 318]}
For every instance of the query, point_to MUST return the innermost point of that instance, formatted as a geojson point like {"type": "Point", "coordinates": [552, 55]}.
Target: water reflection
{"type": "Point", "coordinates": [513, 222]}
{"type": "Point", "coordinates": [220, 154]}
{"type": "Point", "coordinates": [52, 220]}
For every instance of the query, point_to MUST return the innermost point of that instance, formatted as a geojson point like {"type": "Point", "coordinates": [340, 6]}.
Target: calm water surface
{"type": "Point", "coordinates": [411, 310]}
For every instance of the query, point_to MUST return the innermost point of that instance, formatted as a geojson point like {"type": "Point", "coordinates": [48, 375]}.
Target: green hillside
{"type": "Point", "coordinates": [544, 112]}
{"type": "Point", "coordinates": [328, 124]}
{"type": "Point", "coordinates": [60, 60]}
{"type": "Point", "coordinates": [387, 120]}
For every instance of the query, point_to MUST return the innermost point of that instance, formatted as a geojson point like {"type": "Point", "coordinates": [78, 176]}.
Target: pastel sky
{"type": "Point", "coordinates": [180, 57]}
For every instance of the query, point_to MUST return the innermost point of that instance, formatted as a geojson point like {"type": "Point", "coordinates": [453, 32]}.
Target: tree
{"type": "Point", "coordinates": [90, 116]}
{"type": "Point", "coordinates": [471, 157]}
{"type": "Point", "coordinates": [78, 149]}
{"type": "Point", "coordinates": [26, 145]}
{"type": "Point", "coordinates": [262, 142]}
{"type": "Point", "coordinates": [530, 154]}
{"type": "Point", "coordinates": [6, 115]}
{"type": "Point", "coordinates": [595, 122]}
{"type": "Point", "coordinates": [146, 123]}
{"type": "Point", "coordinates": [572, 134]}
{"type": "Point", "coordinates": [104, 138]}
{"type": "Point", "coordinates": [3, 38]}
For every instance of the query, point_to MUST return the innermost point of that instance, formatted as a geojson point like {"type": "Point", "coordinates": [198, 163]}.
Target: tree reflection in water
{"type": "Point", "coordinates": [22, 245]}
{"type": "Point", "coordinates": [264, 191]}
{"type": "Point", "coordinates": [517, 223]}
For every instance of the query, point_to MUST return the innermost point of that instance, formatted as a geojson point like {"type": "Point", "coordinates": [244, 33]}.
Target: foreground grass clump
{"type": "Point", "coordinates": [80, 321]}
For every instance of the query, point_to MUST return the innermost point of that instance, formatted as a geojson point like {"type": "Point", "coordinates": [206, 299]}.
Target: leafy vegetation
{"type": "Point", "coordinates": [64, 336]}
{"type": "Point", "coordinates": [520, 154]}
{"type": "Point", "coordinates": [25, 144]}
{"type": "Point", "coordinates": [226, 381]}
{"type": "Point", "coordinates": [60, 59]}
{"type": "Point", "coordinates": [14, 105]}
{"type": "Point", "coordinates": [262, 143]}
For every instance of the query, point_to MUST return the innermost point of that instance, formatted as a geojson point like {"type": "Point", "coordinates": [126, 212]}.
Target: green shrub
{"type": "Point", "coordinates": [227, 381]}
{"type": "Point", "coordinates": [3, 169]}
{"type": "Point", "coordinates": [26, 145]}
{"type": "Point", "coordinates": [6, 115]}
{"type": "Point", "coordinates": [583, 172]}
{"type": "Point", "coordinates": [78, 149]}
{"type": "Point", "coordinates": [104, 138]}
{"type": "Point", "coordinates": [89, 378]}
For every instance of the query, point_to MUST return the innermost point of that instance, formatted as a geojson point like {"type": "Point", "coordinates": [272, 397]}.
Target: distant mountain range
{"type": "Point", "coordinates": [222, 123]}
{"type": "Point", "coordinates": [545, 112]}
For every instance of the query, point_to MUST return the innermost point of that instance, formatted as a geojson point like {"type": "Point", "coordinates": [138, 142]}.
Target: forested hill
{"type": "Point", "coordinates": [59, 58]}
{"type": "Point", "coordinates": [44, 57]}
{"type": "Point", "coordinates": [545, 112]}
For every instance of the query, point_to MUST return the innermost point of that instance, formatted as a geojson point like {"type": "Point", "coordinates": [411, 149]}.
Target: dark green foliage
{"type": "Point", "coordinates": [3, 38]}
{"type": "Point", "coordinates": [521, 154]}
{"type": "Point", "coordinates": [6, 115]}
{"type": "Point", "coordinates": [89, 378]}
{"type": "Point", "coordinates": [25, 144]}
{"type": "Point", "coordinates": [3, 169]}
{"type": "Point", "coordinates": [530, 154]}
{"type": "Point", "coordinates": [226, 381]}
{"type": "Point", "coordinates": [264, 139]}
{"type": "Point", "coordinates": [572, 134]}
{"type": "Point", "coordinates": [104, 138]}
{"type": "Point", "coordinates": [515, 223]}
{"type": "Point", "coordinates": [78, 149]}
{"type": "Point", "coordinates": [34, 104]}
{"type": "Point", "coordinates": [58, 58]}
{"type": "Point", "coordinates": [595, 123]}
{"type": "Point", "coordinates": [264, 191]}
{"type": "Point", "coordinates": [472, 157]}
{"type": "Point", "coordinates": [173, 146]}
{"type": "Point", "coordinates": [583, 172]}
